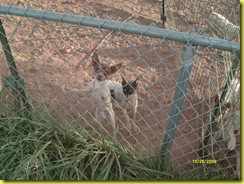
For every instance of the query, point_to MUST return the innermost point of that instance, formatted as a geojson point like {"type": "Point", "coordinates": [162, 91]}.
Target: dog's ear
{"type": "Point", "coordinates": [115, 68]}
{"type": "Point", "coordinates": [95, 60]}
{"type": "Point", "coordinates": [135, 84]}
{"type": "Point", "coordinates": [136, 80]}
{"type": "Point", "coordinates": [123, 80]}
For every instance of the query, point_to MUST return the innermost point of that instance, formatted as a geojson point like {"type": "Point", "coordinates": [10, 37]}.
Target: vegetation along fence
{"type": "Point", "coordinates": [188, 72]}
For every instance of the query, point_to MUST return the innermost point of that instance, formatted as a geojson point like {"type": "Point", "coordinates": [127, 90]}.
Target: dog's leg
{"type": "Point", "coordinates": [127, 119]}
{"type": "Point", "coordinates": [134, 114]}
{"type": "Point", "coordinates": [134, 119]}
{"type": "Point", "coordinates": [135, 104]}
{"type": "Point", "coordinates": [98, 119]}
{"type": "Point", "coordinates": [123, 109]}
{"type": "Point", "coordinates": [98, 116]}
{"type": "Point", "coordinates": [135, 127]}
{"type": "Point", "coordinates": [111, 120]}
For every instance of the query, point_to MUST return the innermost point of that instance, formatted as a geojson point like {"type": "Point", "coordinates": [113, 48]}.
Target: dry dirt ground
{"type": "Point", "coordinates": [51, 72]}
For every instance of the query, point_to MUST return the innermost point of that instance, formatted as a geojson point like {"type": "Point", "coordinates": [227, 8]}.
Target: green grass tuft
{"type": "Point", "coordinates": [40, 148]}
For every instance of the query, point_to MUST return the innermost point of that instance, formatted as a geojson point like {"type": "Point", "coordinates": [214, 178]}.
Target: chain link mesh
{"type": "Point", "coordinates": [53, 60]}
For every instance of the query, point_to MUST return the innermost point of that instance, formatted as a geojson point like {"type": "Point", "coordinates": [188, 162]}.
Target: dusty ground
{"type": "Point", "coordinates": [51, 73]}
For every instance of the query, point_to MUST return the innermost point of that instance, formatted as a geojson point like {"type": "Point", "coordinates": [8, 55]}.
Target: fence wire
{"type": "Point", "coordinates": [53, 58]}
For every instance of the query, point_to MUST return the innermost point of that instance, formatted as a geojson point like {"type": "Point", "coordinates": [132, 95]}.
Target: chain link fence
{"type": "Point", "coordinates": [183, 15]}
{"type": "Point", "coordinates": [52, 57]}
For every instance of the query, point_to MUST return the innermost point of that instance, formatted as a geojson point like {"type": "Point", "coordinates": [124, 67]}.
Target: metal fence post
{"type": "Point", "coordinates": [163, 15]}
{"type": "Point", "coordinates": [188, 53]}
{"type": "Point", "coordinates": [14, 81]}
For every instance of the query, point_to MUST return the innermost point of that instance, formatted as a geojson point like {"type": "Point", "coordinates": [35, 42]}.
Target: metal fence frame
{"type": "Point", "coordinates": [150, 31]}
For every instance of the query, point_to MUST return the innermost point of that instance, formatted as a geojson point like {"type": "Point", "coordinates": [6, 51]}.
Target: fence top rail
{"type": "Point", "coordinates": [150, 31]}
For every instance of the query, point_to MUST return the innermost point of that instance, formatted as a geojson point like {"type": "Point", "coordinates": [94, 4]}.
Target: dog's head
{"type": "Point", "coordinates": [129, 87]}
{"type": "Point", "coordinates": [103, 70]}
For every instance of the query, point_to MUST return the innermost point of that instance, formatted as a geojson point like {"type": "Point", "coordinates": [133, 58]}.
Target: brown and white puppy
{"type": "Point", "coordinates": [99, 91]}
